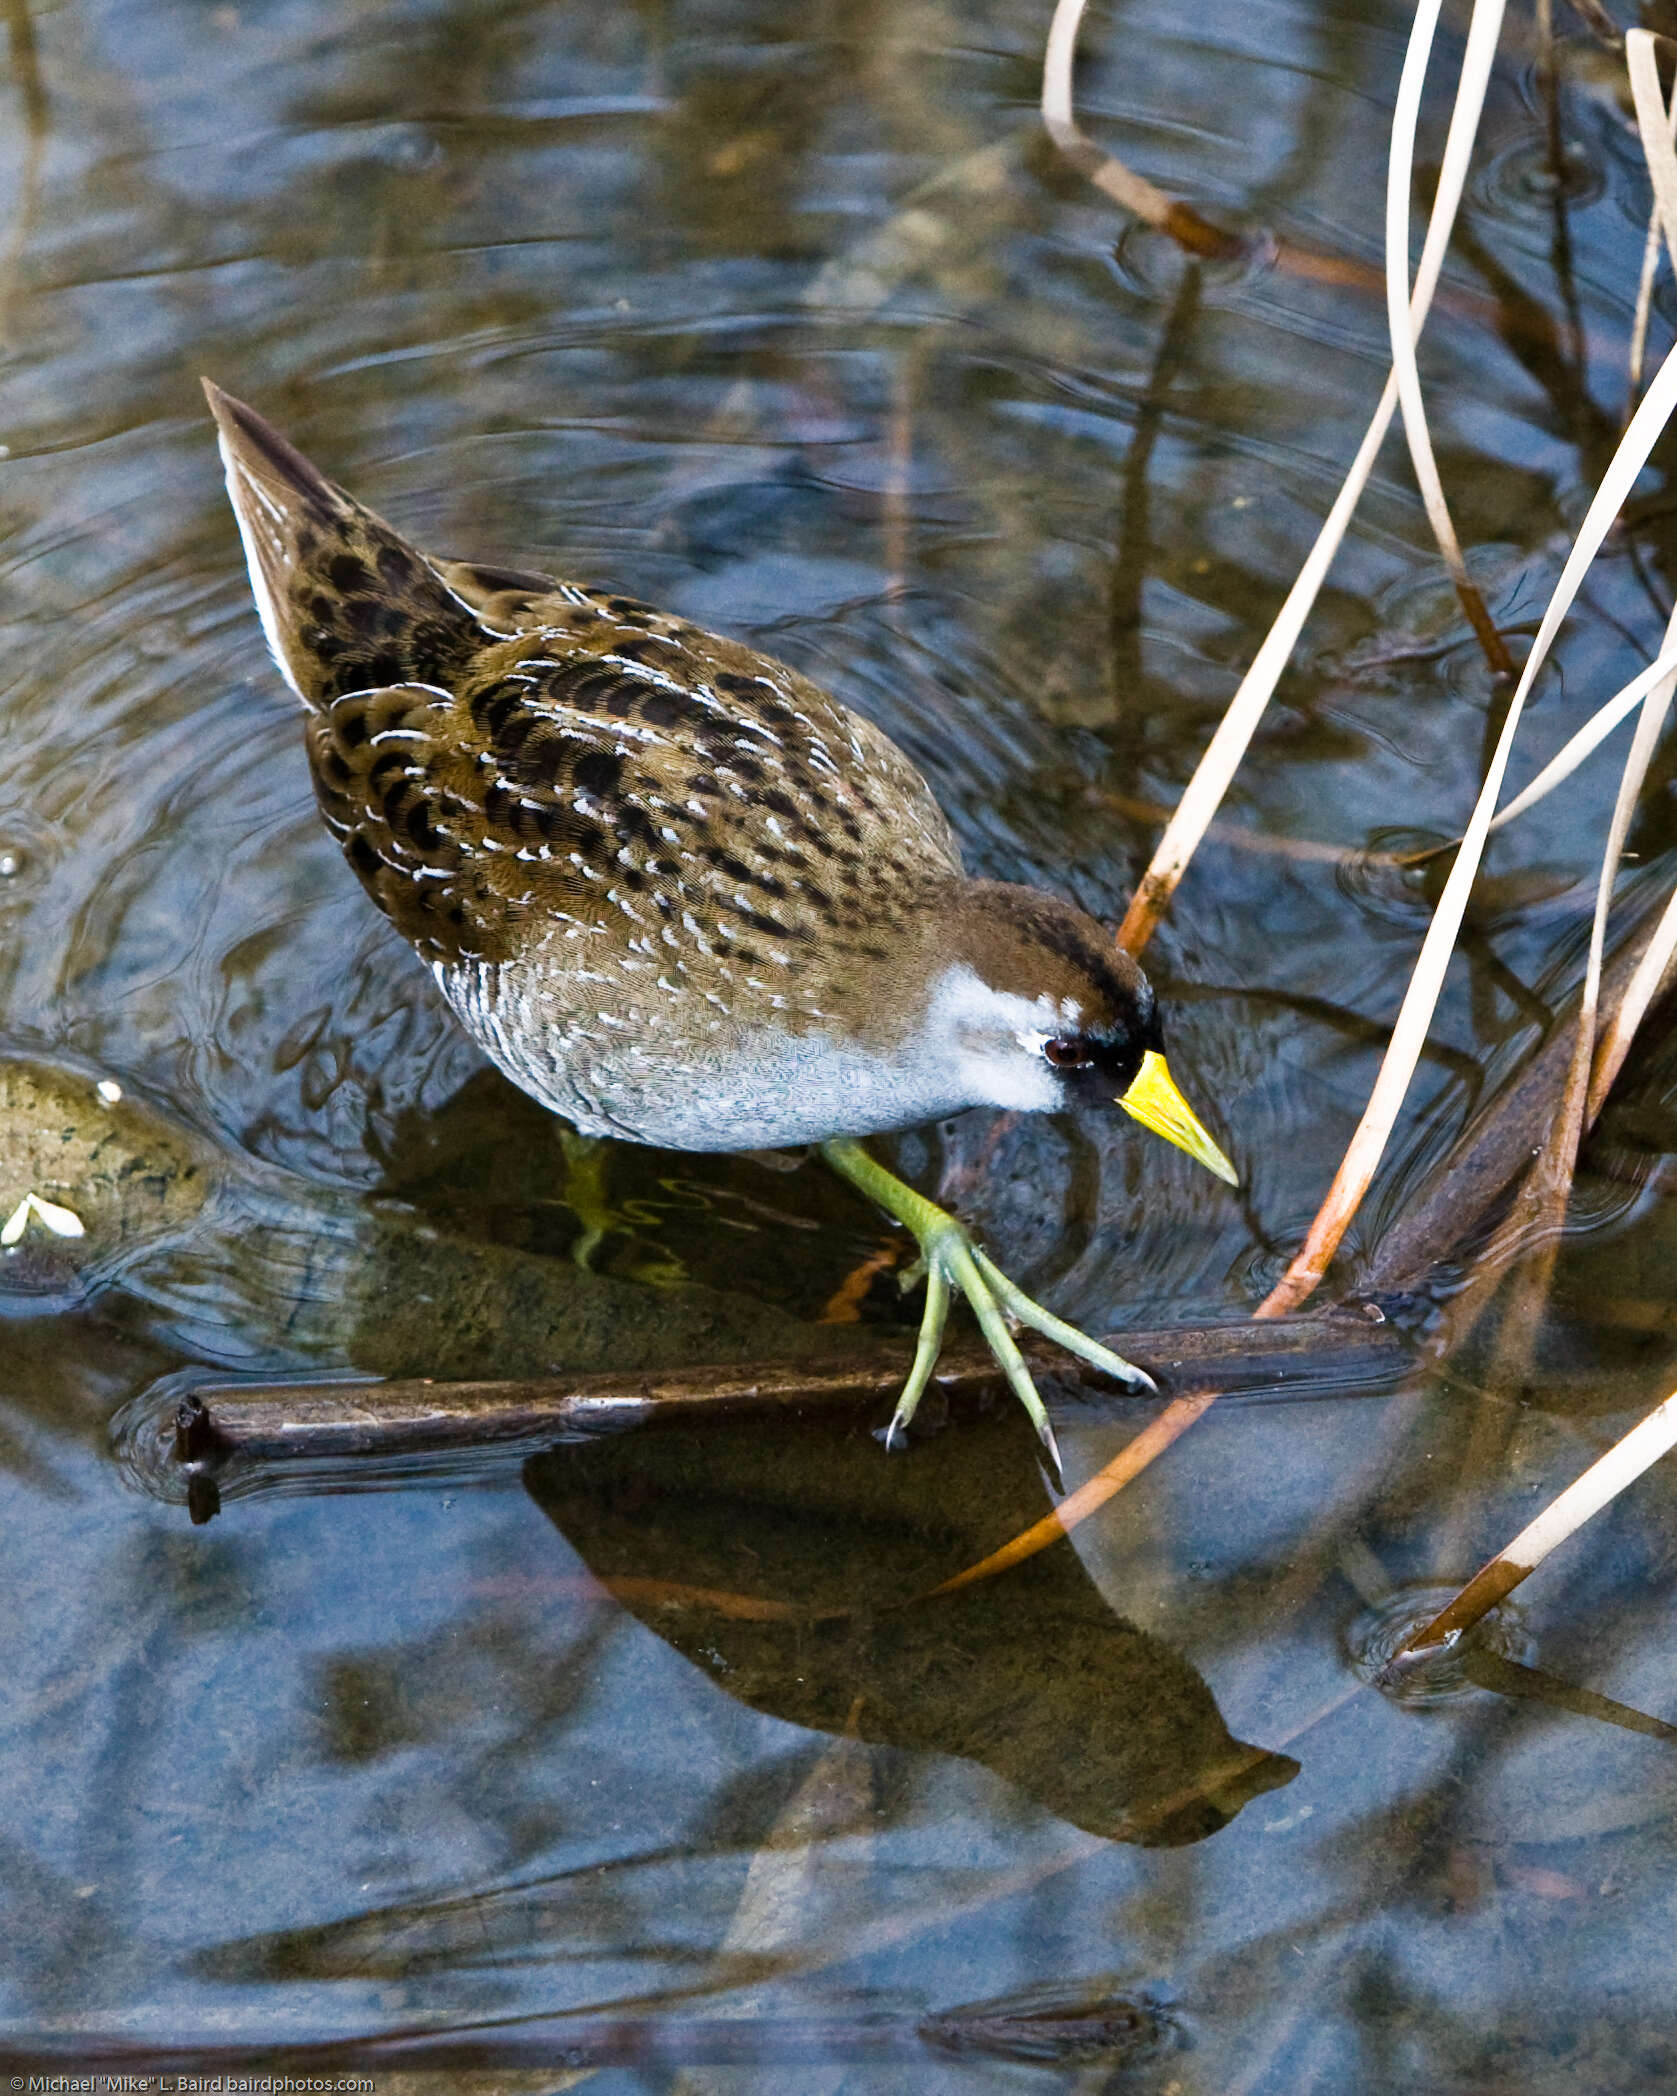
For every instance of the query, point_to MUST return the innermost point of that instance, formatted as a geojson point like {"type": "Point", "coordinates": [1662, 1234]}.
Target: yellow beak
{"type": "Point", "coordinates": [1156, 1103]}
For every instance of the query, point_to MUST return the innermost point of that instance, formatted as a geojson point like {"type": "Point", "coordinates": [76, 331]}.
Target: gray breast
{"type": "Point", "coordinates": [713, 1086]}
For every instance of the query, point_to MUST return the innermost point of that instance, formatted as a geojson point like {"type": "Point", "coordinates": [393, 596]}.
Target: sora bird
{"type": "Point", "coordinates": [674, 890]}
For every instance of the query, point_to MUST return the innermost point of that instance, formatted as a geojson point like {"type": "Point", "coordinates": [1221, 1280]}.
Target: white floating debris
{"type": "Point", "coordinates": [62, 1222]}
{"type": "Point", "coordinates": [109, 1090]}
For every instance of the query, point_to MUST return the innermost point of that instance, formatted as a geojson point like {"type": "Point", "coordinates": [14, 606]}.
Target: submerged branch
{"type": "Point", "coordinates": [1456, 1199]}
{"type": "Point", "coordinates": [25, 56]}
{"type": "Point", "coordinates": [1650, 980]}
{"type": "Point", "coordinates": [1546, 1192]}
{"type": "Point", "coordinates": [226, 1434]}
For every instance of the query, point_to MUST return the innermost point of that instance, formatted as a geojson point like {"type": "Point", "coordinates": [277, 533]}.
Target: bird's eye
{"type": "Point", "coordinates": [1067, 1054]}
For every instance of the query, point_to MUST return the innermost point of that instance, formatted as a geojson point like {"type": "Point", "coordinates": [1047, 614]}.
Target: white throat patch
{"type": "Point", "coordinates": [992, 1040]}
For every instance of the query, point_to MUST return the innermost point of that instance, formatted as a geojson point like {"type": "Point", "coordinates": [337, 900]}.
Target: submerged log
{"type": "Point", "coordinates": [1465, 1190]}
{"type": "Point", "coordinates": [225, 1435]}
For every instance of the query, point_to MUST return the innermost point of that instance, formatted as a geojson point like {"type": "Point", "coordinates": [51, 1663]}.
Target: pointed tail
{"type": "Point", "coordinates": [346, 603]}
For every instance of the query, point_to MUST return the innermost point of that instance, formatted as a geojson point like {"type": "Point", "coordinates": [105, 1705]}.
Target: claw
{"type": "Point", "coordinates": [951, 1260]}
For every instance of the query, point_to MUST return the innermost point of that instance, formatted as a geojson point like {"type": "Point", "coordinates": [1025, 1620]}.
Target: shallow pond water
{"type": "Point", "coordinates": [630, 1757]}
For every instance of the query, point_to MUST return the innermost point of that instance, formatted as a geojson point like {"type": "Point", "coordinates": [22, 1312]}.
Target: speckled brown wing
{"type": "Point", "coordinates": [609, 766]}
{"type": "Point", "coordinates": [504, 599]}
{"type": "Point", "coordinates": [406, 812]}
{"type": "Point", "coordinates": [510, 761]}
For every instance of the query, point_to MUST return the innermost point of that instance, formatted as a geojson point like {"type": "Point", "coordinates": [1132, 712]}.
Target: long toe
{"type": "Point", "coordinates": [953, 1261]}
{"type": "Point", "coordinates": [1027, 1311]}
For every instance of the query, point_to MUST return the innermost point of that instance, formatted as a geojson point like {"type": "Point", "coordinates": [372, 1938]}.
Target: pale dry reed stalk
{"type": "Point", "coordinates": [1407, 307]}
{"type": "Point", "coordinates": [1216, 769]}
{"type": "Point", "coordinates": [1650, 1439]}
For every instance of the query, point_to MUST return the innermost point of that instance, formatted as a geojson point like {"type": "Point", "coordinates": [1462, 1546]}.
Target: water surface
{"type": "Point", "coordinates": [794, 324]}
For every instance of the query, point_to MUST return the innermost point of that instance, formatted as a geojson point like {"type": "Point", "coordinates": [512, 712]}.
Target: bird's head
{"type": "Point", "coordinates": [1040, 1011]}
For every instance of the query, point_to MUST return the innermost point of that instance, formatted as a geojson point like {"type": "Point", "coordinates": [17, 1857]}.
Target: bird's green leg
{"type": "Point", "coordinates": [585, 1193]}
{"type": "Point", "coordinates": [952, 1260]}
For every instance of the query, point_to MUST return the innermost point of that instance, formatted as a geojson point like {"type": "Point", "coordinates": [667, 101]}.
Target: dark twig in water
{"type": "Point", "coordinates": [1308, 850]}
{"type": "Point", "coordinates": [1221, 758]}
{"type": "Point", "coordinates": [225, 1435]}
{"type": "Point", "coordinates": [1368, 1144]}
{"type": "Point", "coordinates": [1599, 23]}
{"type": "Point", "coordinates": [1199, 237]}
{"type": "Point", "coordinates": [1507, 1677]}
{"type": "Point", "coordinates": [1534, 1222]}
{"type": "Point", "coordinates": [1133, 554]}
{"type": "Point", "coordinates": [899, 474]}
{"type": "Point", "coordinates": [26, 70]}
{"type": "Point", "coordinates": [1113, 2031]}
{"type": "Point", "coordinates": [1463, 1190]}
